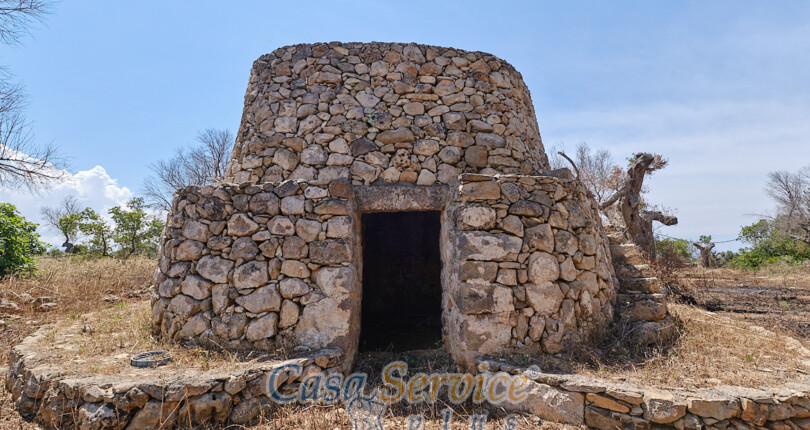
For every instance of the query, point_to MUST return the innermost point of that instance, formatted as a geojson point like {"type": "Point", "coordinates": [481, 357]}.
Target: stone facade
{"type": "Point", "coordinates": [260, 267]}
{"type": "Point", "coordinates": [384, 112]}
{"type": "Point", "coordinates": [530, 268]}
{"type": "Point", "coordinates": [264, 266]}
{"type": "Point", "coordinates": [273, 258]}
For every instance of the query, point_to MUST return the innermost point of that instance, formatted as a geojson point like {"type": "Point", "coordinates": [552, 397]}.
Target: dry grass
{"type": "Point", "coordinates": [76, 285]}
{"type": "Point", "coordinates": [102, 342]}
{"type": "Point", "coordinates": [713, 350]}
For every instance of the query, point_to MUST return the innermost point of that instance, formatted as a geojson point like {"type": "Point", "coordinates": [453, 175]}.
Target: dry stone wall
{"type": "Point", "coordinates": [525, 265]}
{"type": "Point", "coordinates": [532, 269]}
{"type": "Point", "coordinates": [607, 405]}
{"type": "Point", "coordinates": [260, 267]}
{"type": "Point", "coordinates": [384, 112]}
{"type": "Point", "coordinates": [57, 396]}
{"type": "Point", "coordinates": [274, 260]}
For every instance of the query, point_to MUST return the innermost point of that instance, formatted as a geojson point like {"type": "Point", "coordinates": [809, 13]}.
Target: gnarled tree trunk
{"type": "Point", "coordinates": [637, 223]}
{"type": "Point", "coordinates": [705, 253]}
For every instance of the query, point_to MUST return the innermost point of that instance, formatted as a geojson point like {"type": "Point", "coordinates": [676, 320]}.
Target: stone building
{"type": "Point", "coordinates": [386, 196]}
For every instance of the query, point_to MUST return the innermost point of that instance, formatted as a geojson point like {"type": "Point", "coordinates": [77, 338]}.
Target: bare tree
{"type": "Point", "coordinates": [22, 160]}
{"type": "Point", "coordinates": [595, 168]}
{"type": "Point", "coordinates": [629, 207]}
{"type": "Point", "coordinates": [705, 246]}
{"type": "Point", "coordinates": [17, 17]}
{"type": "Point", "coordinates": [201, 164]}
{"type": "Point", "coordinates": [64, 219]}
{"type": "Point", "coordinates": [791, 192]}
{"type": "Point", "coordinates": [598, 171]}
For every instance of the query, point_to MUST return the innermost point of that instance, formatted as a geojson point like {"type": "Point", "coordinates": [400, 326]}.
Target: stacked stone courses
{"type": "Point", "coordinates": [384, 112]}
{"type": "Point", "coordinates": [272, 258]}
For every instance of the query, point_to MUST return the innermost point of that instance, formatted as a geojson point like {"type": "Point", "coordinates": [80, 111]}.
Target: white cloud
{"type": "Point", "coordinates": [93, 188]}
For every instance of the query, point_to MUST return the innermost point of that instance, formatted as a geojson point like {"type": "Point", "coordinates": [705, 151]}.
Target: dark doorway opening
{"type": "Point", "coordinates": [402, 289]}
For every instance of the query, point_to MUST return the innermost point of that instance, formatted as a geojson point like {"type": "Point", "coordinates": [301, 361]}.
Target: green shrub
{"type": "Point", "coordinates": [770, 247]}
{"type": "Point", "coordinates": [19, 242]}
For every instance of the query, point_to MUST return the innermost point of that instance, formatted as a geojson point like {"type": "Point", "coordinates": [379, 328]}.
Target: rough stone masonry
{"type": "Point", "coordinates": [272, 258]}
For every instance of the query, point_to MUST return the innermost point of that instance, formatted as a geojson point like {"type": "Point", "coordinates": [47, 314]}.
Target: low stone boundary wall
{"type": "Point", "coordinates": [145, 398]}
{"type": "Point", "coordinates": [600, 404]}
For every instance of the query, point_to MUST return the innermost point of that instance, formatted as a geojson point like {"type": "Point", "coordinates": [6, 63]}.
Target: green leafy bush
{"type": "Point", "coordinates": [19, 242]}
{"type": "Point", "coordinates": [769, 246]}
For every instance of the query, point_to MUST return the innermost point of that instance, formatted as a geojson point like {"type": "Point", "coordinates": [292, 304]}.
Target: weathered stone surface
{"type": "Point", "coordinates": [261, 300]}
{"type": "Point", "coordinates": [606, 403]}
{"type": "Point", "coordinates": [289, 314]}
{"type": "Point", "coordinates": [479, 270]}
{"type": "Point", "coordinates": [155, 414]}
{"type": "Point", "coordinates": [293, 287]}
{"type": "Point", "coordinates": [486, 333]}
{"type": "Point", "coordinates": [250, 275]}
{"type": "Point", "coordinates": [339, 227]}
{"type": "Point", "coordinates": [189, 250]}
{"type": "Point", "coordinates": [195, 230]}
{"type": "Point", "coordinates": [553, 404]}
{"type": "Point", "coordinates": [262, 328]}
{"type": "Point", "coordinates": [241, 225]}
{"type": "Point", "coordinates": [545, 298]}
{"type": "Point", "coordinates": [481, 191]}
{"type": "Point", "coordinates": [244, 248]}
{"type": "Point", "coordinates": [294, 268]}
{"type": "Point", "coordinates": [543, 267]}
{"type": "Point", "coordinates": [281, 225]}
{"type": "Point", "coordinates": [215, 269]}
{"type": "Point", "coordinates": [662, 407]}
{"type": "Point", "coordinates": [363, 146]}
{"type": "Point", "coordinates": [294, 248]}
{"type": "Point", "coordinates": [476, 156]}
{"type": "Point", "coordinates": [476, 245]}
{"type": "Point", "coordinates": [335, 281]}
{"type": "Point", "coordinates": [292, 205]}
{"type": "Point", "coordinates": [526, 208]}
{"type": "Point", "coordinates": [196, 287]}
{"type": "Point", "coordinates": [512, 225]}
{"type": "Point", "coordinates": [264, 204]}
{"type": "Point", "coordinates": [714, 406]}
{"type": "Point", "coordinates": [565, 242]}
{"type": "Point", "coordinates": [476, 217]}
{"type": "Point", "coordinates": [307, 229]}
{"type": "Point", "coordinates": [401, 134]}
{"type": "Point", "coordinates": [483, 298]}
{"type": "Point", "coordinates": [540, 238]}
{"type": "Point", "coordinates": [330, 251]}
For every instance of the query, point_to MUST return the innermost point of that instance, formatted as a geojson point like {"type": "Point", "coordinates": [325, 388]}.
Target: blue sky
{"type": "Point", "coordinates": [721, 88]}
